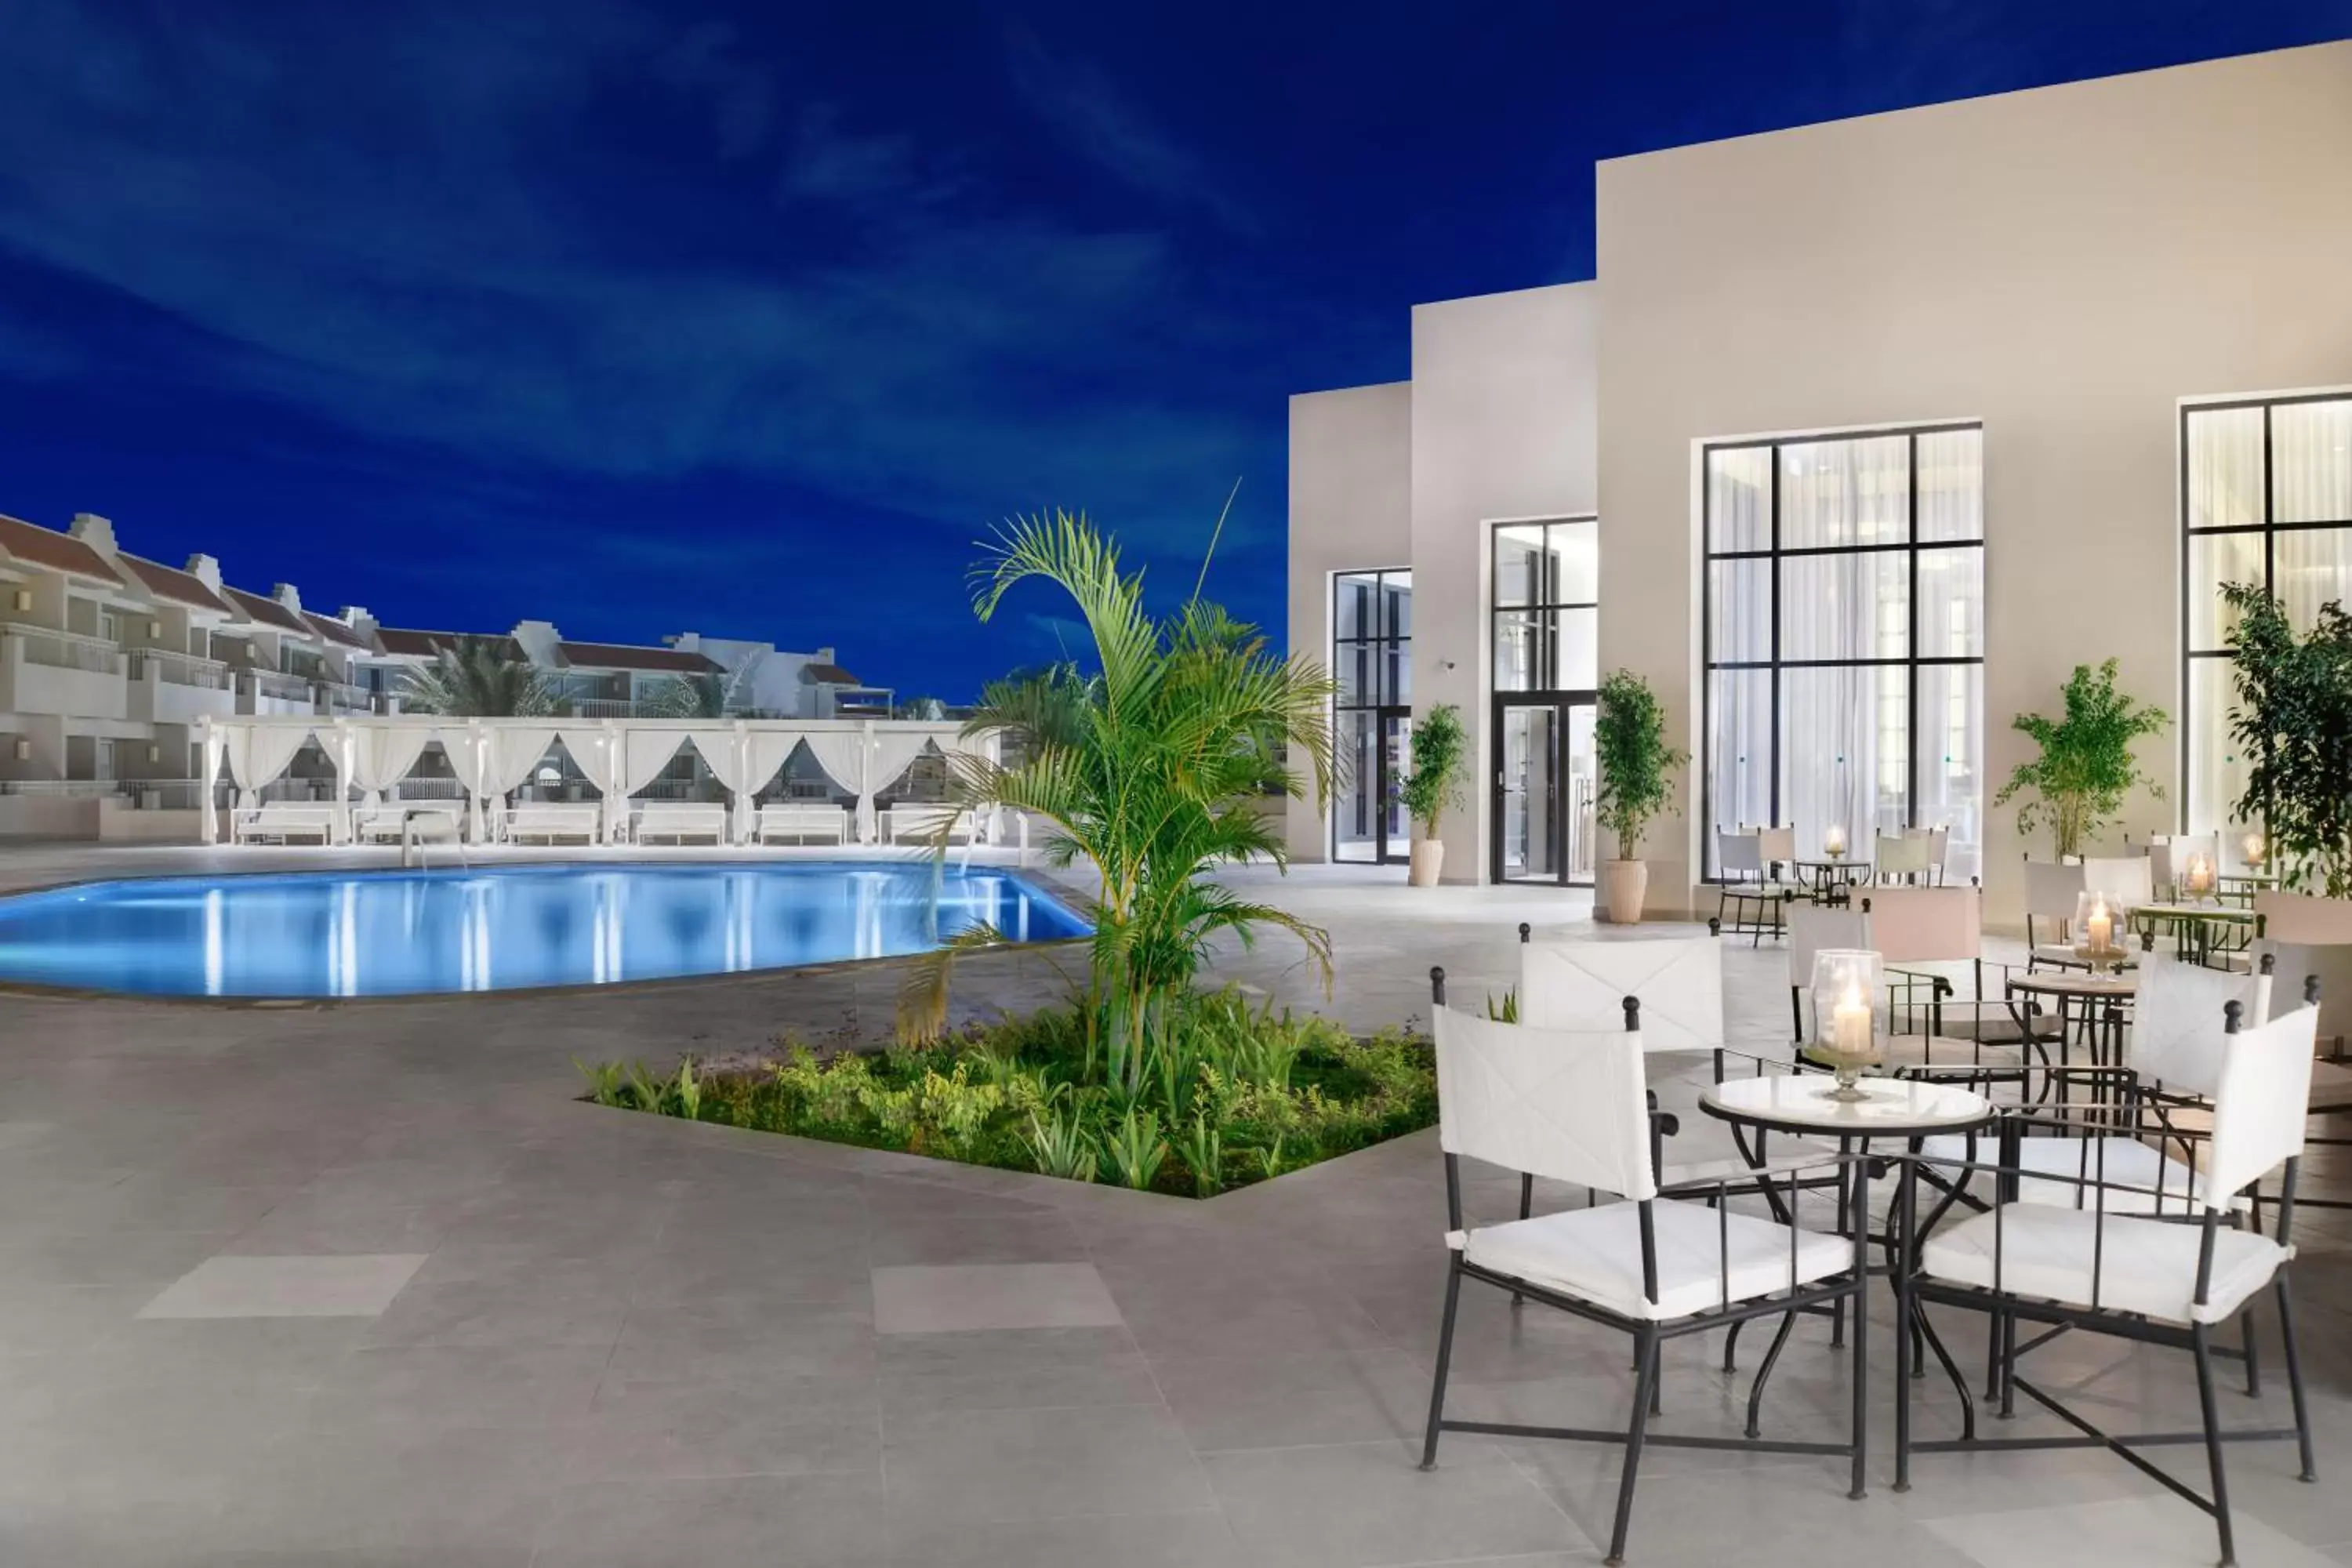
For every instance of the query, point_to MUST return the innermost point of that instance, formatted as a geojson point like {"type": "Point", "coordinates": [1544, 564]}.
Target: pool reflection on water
{"type": "Point", "coordinates": [399, 933]}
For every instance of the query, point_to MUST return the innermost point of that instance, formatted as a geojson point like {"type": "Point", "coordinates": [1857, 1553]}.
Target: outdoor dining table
{"type": "Point", "coordinates": [1904, 1109]}
{"type": "Point", "coordinates": [2092, 1007]}
{"type": "Point", "coordinates": [2195, 923]}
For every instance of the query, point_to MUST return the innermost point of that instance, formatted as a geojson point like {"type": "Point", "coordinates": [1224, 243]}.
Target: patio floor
{"type": "Point", "coordinates": [367, 1285]}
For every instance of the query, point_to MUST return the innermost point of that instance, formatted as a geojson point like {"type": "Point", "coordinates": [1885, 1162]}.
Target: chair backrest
{"type": "Point", "coordinates": [1939, 846]}
{"type": "Point", "coordinates": [2176, 1013]}
{"type": "Point", "coordinates": [1777, 845]}
{"type": "Point", "coordinates": [1812, 927]}
{"type": "Point", "coordinates": [2260, 1102]}
{"type": "Point", "coordinates": [2294, 963]}
{"type": "Point", "coordinates": [1739, 854]}
{"type": "Point", "coordinates": [2128, 880]}
{"type": "Point", "coordinates": [1566, 1104]}
{"type": "Point", "coordinates": [2051, 891]}
{"type": "Point", "coordinates": [2167, 858]}
{"type": "Point", "coordinates": [1927, 925]}
{"type": "Point", "coordinates": [1583, 984]}
{"type": "Point", "coordinates": [2302, 917]}
{"type": "Point", "coordinates": [1906, 856]}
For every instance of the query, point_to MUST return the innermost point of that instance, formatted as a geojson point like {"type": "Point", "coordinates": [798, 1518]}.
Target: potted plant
{"type": "Point", "coordinates": [1629, 739]}
{"type": "Point", "coordinates": [2293, 725]}
{"type": "Point", "coordinates": [1441, 755]}
{"type": "Point", "coordinates": [2086, 767]}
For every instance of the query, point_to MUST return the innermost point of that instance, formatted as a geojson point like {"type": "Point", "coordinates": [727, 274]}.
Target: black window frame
{"type": "Point", "coordinates": [2270, 527]}
{"type": "Point", "coordinates": [1911, 661]}
{"type": "Point", "coordinates": [1385, 698]}
{"type": "Point", "coordinates": [1546, 658]}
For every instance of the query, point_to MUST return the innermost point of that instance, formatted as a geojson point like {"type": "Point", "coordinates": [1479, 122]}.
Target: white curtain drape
{"type": "Point", "coordinates": [600, 757]}
{"type": "Point", "coordinates": [743, 763]}
{"type": "Point", "coordinates": [381, 758]}
{"type": "Point", "coordinates": [843, 754]}
{"type": "Point", "coordinates": [470, 759]}
{"type": "Point", "coordinates": [257, 754]}
{"type": "Point", "coordinates": [647, 752]}
{"type": "Point", "coordinates": [892, 754]}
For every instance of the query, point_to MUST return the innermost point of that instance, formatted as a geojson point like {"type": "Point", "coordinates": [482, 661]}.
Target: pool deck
{"type": "Point", "coordinates": [363, 1283]}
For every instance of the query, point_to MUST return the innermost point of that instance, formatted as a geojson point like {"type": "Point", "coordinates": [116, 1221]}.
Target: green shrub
{"type": "Point", "coordinates": [1224, 1092]}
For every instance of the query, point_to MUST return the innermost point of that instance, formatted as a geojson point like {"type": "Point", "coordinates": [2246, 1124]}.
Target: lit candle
{"type": "Point", "coordinates": [2100, 929]}
{"type": "Point", "coordinates": [1833, 840]}
{"type": "Point", "coordinates": [1850, 1027]}
{"type": "Point", "coordinates": [2201, 876]}
{"type": "Point", "coordinates": [2253, 846]}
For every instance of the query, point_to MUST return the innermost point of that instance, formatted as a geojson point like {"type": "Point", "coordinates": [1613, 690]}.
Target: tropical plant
{"type": "Point", "coordinates": [1202, 1152]}
{"type": "Point", "coordinates": [2086, 768]}
{"type": "Point", "coordinates": [1134, 1150]}
{"type": "Point", "coordinates": [1060, 1144]}
{"type": "Point", "coordinates": [1151, 784]}
{"type": "Point", "coordinates": [927, 709]}
{"type": "Point", "coordinates": [1441, 763]}
{"type": "Point", "coordinates": [712, 694]}
{"type": "Point", "coordinates": [1637, 764]}
{"type": "Point", "coordinates": [2293, 725]}
{"type": "Point", "coordinates": [478, 678]}
{"type": "Point", "coordinates": [1035, 708]}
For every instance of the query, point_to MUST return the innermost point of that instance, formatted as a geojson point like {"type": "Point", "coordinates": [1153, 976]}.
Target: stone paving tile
{"type": "Point", "coordinates": [635, 1341]}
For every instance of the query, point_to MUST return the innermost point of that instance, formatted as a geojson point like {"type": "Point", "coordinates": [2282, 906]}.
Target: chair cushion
{"type": "Point", "coordinates": [2067, 1162]}
{"type": "Point", "coordinates": [2145, 1264]}
{"type": "Point", "coordinates": [1595, 1256]}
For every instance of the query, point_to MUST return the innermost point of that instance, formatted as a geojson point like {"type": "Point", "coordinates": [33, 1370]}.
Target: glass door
{"type": "Point", "coordinates": [1545, 779]}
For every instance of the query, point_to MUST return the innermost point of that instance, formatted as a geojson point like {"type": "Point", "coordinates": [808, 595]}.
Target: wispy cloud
{"type": "Point", "coordinates": [428, 233]}
{"type": "Point", "coordinates": [1076, 97]}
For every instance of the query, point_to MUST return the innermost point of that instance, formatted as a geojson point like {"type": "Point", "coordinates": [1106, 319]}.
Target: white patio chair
{"type": "Point", "coordinates": [2053, 893]}
{"type": "Point", "coordinates": [1571, 1106]}
{"type": "Point", "coordinates": [1907, 859]}
{"type": "Point", "coordinates": [2138, 1277]}
{"type": "Point", "coordinates": [1750, 902]}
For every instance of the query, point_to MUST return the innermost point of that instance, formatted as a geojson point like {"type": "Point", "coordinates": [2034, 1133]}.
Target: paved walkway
{"type": "Point", "coordinates": [366, 1285]}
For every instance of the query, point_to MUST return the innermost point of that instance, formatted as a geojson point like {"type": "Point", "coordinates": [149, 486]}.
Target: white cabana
{"type": "Point", "coordinates": [491, 758]}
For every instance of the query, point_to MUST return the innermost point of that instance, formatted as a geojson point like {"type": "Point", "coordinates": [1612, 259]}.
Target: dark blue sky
{"type": "Point", "coordinates": [750, 318]}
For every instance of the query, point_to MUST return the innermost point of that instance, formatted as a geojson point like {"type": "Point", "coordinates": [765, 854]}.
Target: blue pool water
{"type": "Point", "coordinates": [399, 933]}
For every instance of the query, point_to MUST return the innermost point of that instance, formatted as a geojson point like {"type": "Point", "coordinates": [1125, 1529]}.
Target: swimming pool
{"type": "Point", "coordinates": [387, 934]}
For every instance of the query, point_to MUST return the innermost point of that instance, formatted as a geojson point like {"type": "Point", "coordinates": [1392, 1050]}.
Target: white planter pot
{"type": "Point", "coordinates": [1623, 885]}
{"type": "Point", "coordinates": [1428, 859]}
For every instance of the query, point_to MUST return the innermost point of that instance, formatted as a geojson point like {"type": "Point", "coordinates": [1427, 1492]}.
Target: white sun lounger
{"type": "Point", "coordinates": [548, 821]}
{"type": "Point", "coordinates": [804, 821]}
{"type": "Point", "coordinates": [283, 822]}
{"type": "Point", "coordinates": [679, 820]}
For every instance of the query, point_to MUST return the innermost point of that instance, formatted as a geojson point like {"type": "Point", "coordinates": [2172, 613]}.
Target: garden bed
{"type": "Point", "coordinates": [1222, 1095]}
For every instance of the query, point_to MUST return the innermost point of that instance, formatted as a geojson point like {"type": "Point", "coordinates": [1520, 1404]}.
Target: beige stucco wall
{"type": "Point", "coordinates": [1503, 430]}
{"type": "Point", "coordinates": [2066, 265]}
{"type": "Point", "coordinates": [1350, 495]}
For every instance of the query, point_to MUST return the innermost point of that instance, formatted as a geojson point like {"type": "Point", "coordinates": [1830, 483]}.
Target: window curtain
{"type": "Point", "coordinates": [258, 754]}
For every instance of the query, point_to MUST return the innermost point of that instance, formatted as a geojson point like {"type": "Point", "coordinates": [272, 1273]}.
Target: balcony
{"type": "Point", "coordinates": [340, 700]}
{"type": "Point", "coordinates": [46, 671]}
{"type": "Point", "coordinates": [169, 687]}
{"type": "Point", "coordinates": [262, 693]}
{"type": "Point", "coordinates": [604, 708]}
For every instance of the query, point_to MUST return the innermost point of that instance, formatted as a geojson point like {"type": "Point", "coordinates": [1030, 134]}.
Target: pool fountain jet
{"type": "Point", "coordinates": [420, 826]}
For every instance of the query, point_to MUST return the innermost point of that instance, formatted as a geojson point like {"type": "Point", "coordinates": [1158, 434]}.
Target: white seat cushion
{"type": "Point", "coordinates": [1595, 1255]}
{"type": "Point", "coordinates": [2145, 1264]}
{"type": "Point", "coordinates": [2067, 1162]}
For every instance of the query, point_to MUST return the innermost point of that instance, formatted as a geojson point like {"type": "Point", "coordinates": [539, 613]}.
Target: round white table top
{"type": "Point", "coordinates": [2072, 983]}
{"type": "Point", "coordinates": [1801, 1102]}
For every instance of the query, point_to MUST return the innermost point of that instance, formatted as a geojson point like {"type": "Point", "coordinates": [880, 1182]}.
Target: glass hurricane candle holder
{"type": "Point", "coordinates": [1845, 1028]}
{"type": "Point", "coordinates": [2099, 935]}
{"type": "Point", "coordinates": [2197, 879]}
{"type": "Point", "coordinates": [1834, 841]}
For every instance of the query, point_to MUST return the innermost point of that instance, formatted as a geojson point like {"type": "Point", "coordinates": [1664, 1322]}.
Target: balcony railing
{"type": "Point", "coordinates": [66, 650]}
{"type": "Point", "coordinates": [285, 688]}
{"type": "Point", "coordinates": [178, 669]}
{"type": "Point", "coordinates": [604, 708]}
{"type": "Point", "coordinates": [340, 697]}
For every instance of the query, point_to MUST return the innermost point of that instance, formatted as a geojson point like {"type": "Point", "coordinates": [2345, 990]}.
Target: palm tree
{"type": "Point", "coordinates": [1146, 771]}
{"type": "Point", "coordinates": [711, 695]}
{"type": "Point", "coordinates": [1033, 708]}
{"type": "Point", "coordinates": [478, 678]}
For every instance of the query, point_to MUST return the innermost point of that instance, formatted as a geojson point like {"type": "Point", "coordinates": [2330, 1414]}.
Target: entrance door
{"type": "Point", "coordinates": [1545, 780]}
{"type": "Point", "coordinates": [1368, 822]}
